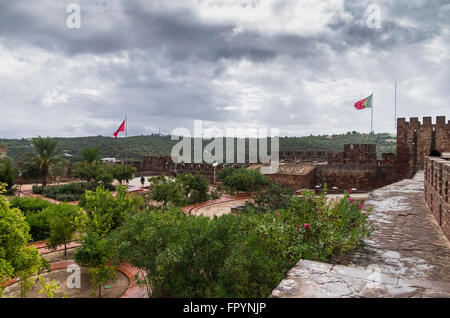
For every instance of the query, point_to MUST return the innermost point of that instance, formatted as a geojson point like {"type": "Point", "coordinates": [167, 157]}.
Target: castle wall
{"type": "Point", "coordinates": [354, 154]}
{"type": "Point", "coordinates": [361, 177]}
{"type": "Point", "coordinates": [436, 184]}
{"type": "Point", "coordinates": [295, 181]}
{"type": "Point", "coordinates": [305, 156]}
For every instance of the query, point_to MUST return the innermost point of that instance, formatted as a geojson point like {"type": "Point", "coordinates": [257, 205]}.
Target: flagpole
{"type": "Point", "coordinates": [395, 103]}
{"type": "Point", "coordinates": [126, 140]}
{"type": "Point", "coordinates": [371, 116]}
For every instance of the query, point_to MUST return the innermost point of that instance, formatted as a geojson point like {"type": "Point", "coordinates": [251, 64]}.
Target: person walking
{"type": "Point", "coordinates": [142, 181]}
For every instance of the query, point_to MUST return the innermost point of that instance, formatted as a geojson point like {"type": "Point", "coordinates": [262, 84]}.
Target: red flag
{"type": "Point", "coordinates": [121, 128]}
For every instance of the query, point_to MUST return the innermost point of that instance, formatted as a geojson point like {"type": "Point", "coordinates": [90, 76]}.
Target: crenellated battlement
{"type": "Point", "coordinates": [416, 140]}
{"type": "Point", "coordinates": [414, 123]}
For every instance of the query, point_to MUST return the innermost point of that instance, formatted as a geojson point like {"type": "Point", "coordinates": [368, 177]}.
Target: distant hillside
{"type": "Point", "coordinates": [139, 146]}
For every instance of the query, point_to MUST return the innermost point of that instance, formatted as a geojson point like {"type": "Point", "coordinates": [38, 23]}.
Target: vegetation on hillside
{"type": "Point", "coordinates": [139, 146]}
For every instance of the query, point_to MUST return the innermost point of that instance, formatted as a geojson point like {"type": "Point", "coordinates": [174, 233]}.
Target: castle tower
{"type": "Point", "coordinates": [416, 140]}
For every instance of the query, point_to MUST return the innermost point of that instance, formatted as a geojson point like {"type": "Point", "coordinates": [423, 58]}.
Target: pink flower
{"type": "Point", "coordinates": [350, 200]}
{"type": "Point", "coordinates": [278, 215]}
{"type": "Point", "coordinates": [349, 190]}
{"type": "Point", "coordinates": [306, 226]}
{"type": "Point", "coordinates": [361, 206]}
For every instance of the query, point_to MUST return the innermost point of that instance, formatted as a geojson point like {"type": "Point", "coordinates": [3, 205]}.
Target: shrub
{"type": "Point", "coordinates": [16, 258]}
{"type": "Point", "coordinates": [243, 255]}
{"type": "Point", "coordinates": [123, 173]}
{"type": "Point", "coordinates": [225, 172]}
{"type": "Point", "coordinates": [271, 198]}
{"type": "Point", "coordinates": [62, 223]}
{"type": "Point", "coordinates": [65, 192]}
{"type": "Point", "coordinates": [166, 190]}
{"type": "Point", "coordinates": [105, 212]}
{"type": "Point", "coordinates": [94, 254]}
{"type": "Point", "coordinates": [243, 179]}
{"type": "Point", "coordinates": [29, 205]}
{"type": "Point", "coordinates": [8, 174]}
{"type": "Point", "coordinates": [195, 187]}
{"type": "Point", "coordinates": [35, 215]}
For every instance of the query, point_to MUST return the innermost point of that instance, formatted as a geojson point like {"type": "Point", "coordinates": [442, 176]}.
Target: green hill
{"type": "Point", "coordinates": [139, 146]}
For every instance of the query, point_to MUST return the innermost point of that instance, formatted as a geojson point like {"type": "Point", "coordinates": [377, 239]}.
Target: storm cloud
{"type": "Point", "coordinates": [294, 65]}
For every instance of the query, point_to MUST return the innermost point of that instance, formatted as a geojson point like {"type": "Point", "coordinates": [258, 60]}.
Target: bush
{"type": "Point", "coordinates": [29, 205]}
{"type": "Point", "coordinates": [62, 223]}
{"type": "Point", "coordinates": [105, 212]}
{"type": "Point", "coordinates": [65, 192]}
{"type": "Point", "coordinates": [225, 172]}
{"type": "Point", "coordinates": [243, 179]}
{"type": "Point", "coordinates": [35, 215]}
{"type": "Point", "coordinates": [195, 186]}
{"type": "Point", "coordinates": [16, 258]}
{"type": "Point", "coordinates": [122, 173]}
{"type": "Point", "coordinates": [8, 174]}
{"type": "Point", "coordinates": [166, 190]}
{"type": "Point", "coordinates": [237, 256]}
{"type": "Point", "coordinates": [271, 198]}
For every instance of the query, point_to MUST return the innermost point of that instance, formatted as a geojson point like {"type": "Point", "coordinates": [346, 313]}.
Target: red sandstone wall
{"type": "Point", "coordinates": [303, 155]}
{"type": "Point", "coordinates": [361, 177]}
{"type": "Point", "coordinates": [416, 140]}
{"type": "Point", "coordinates": [295, 182]}
{"type": "Point", "coordinates": [436, 183]}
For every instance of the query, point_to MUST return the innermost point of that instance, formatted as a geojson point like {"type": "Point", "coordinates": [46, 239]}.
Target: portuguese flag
{"type": "Point", "coordinates": [364, 103]}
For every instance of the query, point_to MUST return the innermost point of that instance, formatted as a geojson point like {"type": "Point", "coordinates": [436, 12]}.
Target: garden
{"type": "Point", "coordinates": [172, 253]}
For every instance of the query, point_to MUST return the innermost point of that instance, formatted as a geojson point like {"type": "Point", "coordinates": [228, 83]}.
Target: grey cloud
{"type": "Point", "coordinates": [175, 60]}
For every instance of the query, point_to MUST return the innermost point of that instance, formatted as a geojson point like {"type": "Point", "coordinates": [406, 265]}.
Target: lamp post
{"type": "Point", "coordinates": [215, 164]}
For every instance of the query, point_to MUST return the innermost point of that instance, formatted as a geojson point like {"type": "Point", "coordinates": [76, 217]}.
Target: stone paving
{"type": "Point", "coordinates": [406, 256]}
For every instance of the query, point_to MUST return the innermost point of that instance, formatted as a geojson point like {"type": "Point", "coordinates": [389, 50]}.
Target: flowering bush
{"type": "Point", "coordinates": [243, 255]}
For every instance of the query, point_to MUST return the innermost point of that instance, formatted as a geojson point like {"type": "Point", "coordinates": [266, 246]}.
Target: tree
{"type": "Point", "coordinates": [8, 174]}
{"type": "Point", "coordinates": [196, 187]}
{"type": "Point", "coordinates": [16, 258]}
{"type": "Point", "coordinates": [245, 180]}
{"type": "Point", "coordinates": [45, 155]}
{"type": "Point", "coordinates": [123, 173]}
{"type": "Point", "coordinates": [58, 170]}
{"type": "Point", "coordinates": [90, 155]}
{"type": "Point", "coordinates": [104, 212]}
{"type": "Point", "coordinates": [165, 190]}
{"type": "Point", "coordinates": [62, 224]}
{"type": "Point", "coordinates": [95, 253]}
{"type": "Point", "coordinates": [30, 170]}
{"type": "Point", "coordinates": [95, 174]}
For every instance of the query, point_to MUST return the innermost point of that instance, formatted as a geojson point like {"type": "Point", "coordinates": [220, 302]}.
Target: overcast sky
{"type": "Point", "coordinates": [294, 65]}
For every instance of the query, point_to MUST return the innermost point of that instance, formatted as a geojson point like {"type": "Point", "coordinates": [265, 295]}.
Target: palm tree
{"type": "Point", "coordinates": [90, 155]}
{"type": "Point", "coordinates": [45, 155]}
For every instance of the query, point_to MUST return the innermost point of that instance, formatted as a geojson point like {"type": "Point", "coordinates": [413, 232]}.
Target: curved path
{"type": "Point", "coordinates": [195, 208]}
{"type": "Point", "coordinates": [133, 291]}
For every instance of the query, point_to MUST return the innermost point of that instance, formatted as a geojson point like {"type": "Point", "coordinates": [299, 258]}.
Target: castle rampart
{"type": "Point", "coordinates": [437, 179]}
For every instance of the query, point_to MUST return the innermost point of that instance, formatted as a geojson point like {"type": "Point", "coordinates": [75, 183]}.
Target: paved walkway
{"type": "Point", "coordinates": [406, 256]}
{"type": "Point", "coordinates": [133, 290]}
